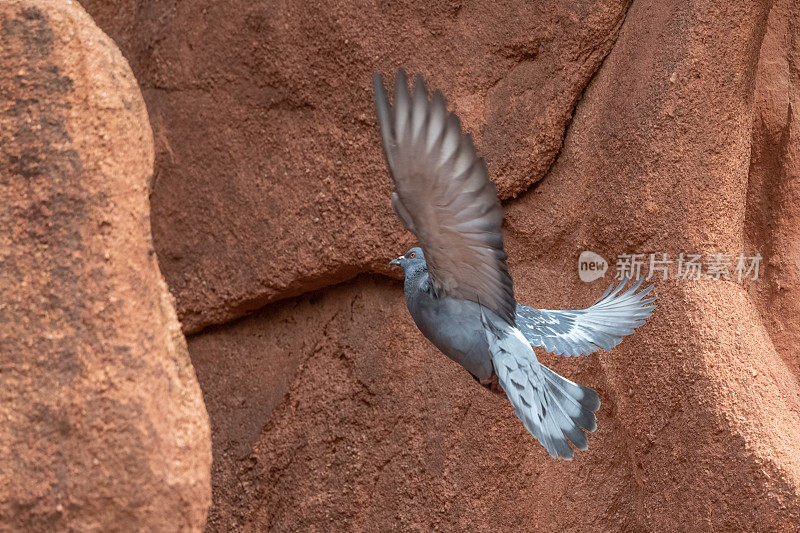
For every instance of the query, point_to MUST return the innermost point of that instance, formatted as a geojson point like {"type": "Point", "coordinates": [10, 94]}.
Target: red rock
{"type": "Point", "coordinates": [772, 218]}
{"type": "Point", "coordinates": [658, 159]}
{"type": "Point", "coordinates": [330, 411]}
{"type": "Point", "coordinates": [379, 431]}
{"type": "Point", "coordinates": [103, 424]}
{"type": "Point", "coordinates": [269, 176]}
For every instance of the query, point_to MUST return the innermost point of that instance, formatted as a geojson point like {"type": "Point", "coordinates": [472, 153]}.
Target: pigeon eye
{"type": "Point", "coordinates": [412, 254]}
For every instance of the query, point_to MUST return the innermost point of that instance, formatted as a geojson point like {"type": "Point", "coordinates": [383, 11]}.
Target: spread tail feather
{"type": "Point", "coordinates": [553, 409]}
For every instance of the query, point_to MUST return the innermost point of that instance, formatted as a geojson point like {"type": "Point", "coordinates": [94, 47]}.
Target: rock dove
{"type": "Point", "coordinates": [457, 286]}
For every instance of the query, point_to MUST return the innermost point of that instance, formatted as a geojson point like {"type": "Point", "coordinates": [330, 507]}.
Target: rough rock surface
{"type": "Point", "coordinates": [103, 424]}
{"type": "Point", "coordinates": [380, 432]}
{"type": "Point", "coordinates": [658, 159]}
{"type": "Point", "coordinates": [269, 177]}
{"type": "Point", "coordinates": [329, 410]}
{"type": "Point", "coordinates": [772, 219]}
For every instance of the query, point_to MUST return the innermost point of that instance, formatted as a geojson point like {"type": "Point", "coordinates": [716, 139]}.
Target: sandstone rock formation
{"type": "Point", "coordinates": [103, 424]}
{"type": "Point", "coordinates": [268, 182]}
{"type": "Point", "coordinates": [643, 127]}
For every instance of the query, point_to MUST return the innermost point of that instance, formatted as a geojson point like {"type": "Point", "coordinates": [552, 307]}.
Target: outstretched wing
{"type": "Point", "coordinates": [443, 195]}
{"type": "Point", "coordinates": [552, 408]}
{"type": "Point", "coordinates": [584, 331]}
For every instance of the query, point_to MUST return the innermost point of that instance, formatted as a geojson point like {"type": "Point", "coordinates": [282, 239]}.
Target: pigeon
{"type": "Point", "coordinates": [457, 286]}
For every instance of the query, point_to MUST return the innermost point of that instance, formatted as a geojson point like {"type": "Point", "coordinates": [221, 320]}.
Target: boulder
{"type": "Point", "coordinates": [103, 423]}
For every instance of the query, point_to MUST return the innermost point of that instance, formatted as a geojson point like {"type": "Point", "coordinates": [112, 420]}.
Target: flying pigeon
{"type": "Point", "coordinates": [457, 286]}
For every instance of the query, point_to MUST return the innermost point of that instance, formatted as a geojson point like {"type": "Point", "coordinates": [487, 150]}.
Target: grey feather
{"type": "Point", "coordinates": [552, 408]}
{"type": "Point", "coordinates": [584, 331]}
{"type": "Point", "coordinates": [457, 286]}
{"type": "Point", "coordinates": [443, 194]}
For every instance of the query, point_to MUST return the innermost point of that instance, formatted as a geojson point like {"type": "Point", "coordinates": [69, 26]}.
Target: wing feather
{"type": "Point", "coordinates": [584, 331]}
{"type": "Point", "coordinates": [443, 194]}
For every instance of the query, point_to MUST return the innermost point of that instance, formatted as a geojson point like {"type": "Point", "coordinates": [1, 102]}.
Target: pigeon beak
{"type": "Point", "coordinates": [396, 261]}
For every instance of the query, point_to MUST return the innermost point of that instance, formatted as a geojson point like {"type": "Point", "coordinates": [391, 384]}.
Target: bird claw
{"type": "Point", "coordinates": [492, 384]}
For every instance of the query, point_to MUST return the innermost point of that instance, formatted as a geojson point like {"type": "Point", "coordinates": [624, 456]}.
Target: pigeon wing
{"type": "Point", "coordinates": [444, 196]}
{"type": "Point", "coordinates": [584, 331]}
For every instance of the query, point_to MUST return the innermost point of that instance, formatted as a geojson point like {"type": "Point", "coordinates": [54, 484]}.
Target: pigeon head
{"type": "Point", "coordinates": [414, 257]}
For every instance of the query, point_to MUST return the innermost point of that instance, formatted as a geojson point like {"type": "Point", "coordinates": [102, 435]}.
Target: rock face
{"type": "Point", "coordinates": [269, 181]}
{"type": "Point", "coordinates": [655, 127]}
{"type": "Point", "coordinates": [380, 432]}
{"type": "Point", "coordinates": [103, 423]}
{"type": "Point", "coordinates": [658, 159]}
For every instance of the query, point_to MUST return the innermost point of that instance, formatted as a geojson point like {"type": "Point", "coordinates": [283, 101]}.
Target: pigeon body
{"type": "Point", "coordinates": [453, 325]}
{"type": "Point", "coordinates": [457, 286]}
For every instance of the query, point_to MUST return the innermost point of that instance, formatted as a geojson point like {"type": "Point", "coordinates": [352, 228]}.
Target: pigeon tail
{"type": "Point", "coordinates": [553, 409]}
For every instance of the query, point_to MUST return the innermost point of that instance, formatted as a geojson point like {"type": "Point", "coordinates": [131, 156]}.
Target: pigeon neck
{"type": "Point", "coordinates": [417, 270]}
{"type": "Point", "coordinates": [417, 278]}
